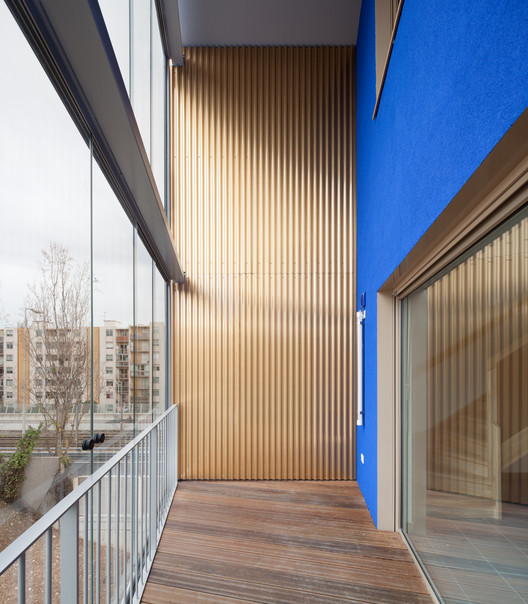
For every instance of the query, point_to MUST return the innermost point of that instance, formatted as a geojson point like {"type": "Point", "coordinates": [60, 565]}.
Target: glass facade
{"type": "Point", "coordinates": [82, 303]}
{"type": "Point", "coordinates": [465, 421]}
{"type": "Point", "coordinates": [135, 34]}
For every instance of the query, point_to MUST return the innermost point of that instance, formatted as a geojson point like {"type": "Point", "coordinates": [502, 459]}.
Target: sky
{"type": "Point", "coordinates": [45, 190]}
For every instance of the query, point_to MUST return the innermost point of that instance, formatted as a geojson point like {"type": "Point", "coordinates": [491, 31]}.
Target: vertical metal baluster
{"type": "Point", "coordinates": [109, 538]}
{"type": "Point", "coordinates": [145, 500]}
{"type": "Point", "coordinates": [98, 551]}
{"type": "Point", "coordinates": [118, 526]}
{"type": "Point", "coordinates": [133, 517]}
{"type": "Point", "coordinates": [158, 476]}
{"type": "Point", "coordinates": [22, 579]}
{"type": "Point", "coordinates": [171, 457]}
{"type": "Point", "coordinates": [167, 455]}
{"type": "Point", "coordinates": [125, 517]}
{"type": "Point", "coordinates": [142, 566]}
{"type": "Point", "coordinates": [162, 494]}
{"type": "Point", "coordinates": [153, 491]}
{"type": "Point", "coordinates": [160, 481]}
{"type": "Point", "coordinates": [149, 494]}
{"type": "Point", "coordinates": [49, 565]}
{"type": "Point", "coordinates": [164, 452]}
{"type": "Point", "coordinates": [176, 445]}
{"type": "Point", "coordinates": [167, 464]}
{"type": "Point", "coordinates": [85, 548]}
{"type": "Point", "coordinates": [69, 554]}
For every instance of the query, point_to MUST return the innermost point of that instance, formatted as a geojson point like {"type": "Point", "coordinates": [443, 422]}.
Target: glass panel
{"type": "Point", "coordinates": [159, 346]}
{"type": "Point", "coordinates": [465, 421]}
{"type": "Point", "coordinates": [158, 107]}
{"type": "Point", "coordinates": [45, 286]}
{"type": "Point", "coordinates": [113, 257]}
{"type": "Point", "coordinates": [141, 82]}
{"type": "Point", "coordinates": [142, 346]}
{"type": "Point", "coordinates": [116, 14]}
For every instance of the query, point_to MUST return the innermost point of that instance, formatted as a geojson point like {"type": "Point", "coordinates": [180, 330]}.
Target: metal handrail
{"type": "Point", "coordinates": [159, 500]}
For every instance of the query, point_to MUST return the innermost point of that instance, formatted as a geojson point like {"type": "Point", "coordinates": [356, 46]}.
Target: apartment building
{"type": "Point", "coordinates": [122, 377]}
{"type": "Point", "coordinates": [254, 175]}
{"type": "Point", "coordinates": [8, 365]}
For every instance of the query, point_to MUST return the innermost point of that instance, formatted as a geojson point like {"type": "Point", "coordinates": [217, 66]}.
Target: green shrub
{"type": "Point", "coordinates": [12, 472]}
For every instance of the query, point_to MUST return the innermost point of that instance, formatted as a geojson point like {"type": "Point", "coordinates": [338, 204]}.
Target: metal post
{"type": "Point", "coordinates": [24, 421]}
{"type": "Point", "coordinates": [69, 554]}
{"type": "Point", "coordinates": [49, 565]}
{"type": "Point", "coordinates": [153, 494]}
{"type": "Point", "coordinates": [109, 537]}
{"type": "Point", "coordinates": [22, 579]}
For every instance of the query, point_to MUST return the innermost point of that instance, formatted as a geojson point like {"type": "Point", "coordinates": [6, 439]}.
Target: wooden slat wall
{"type": "Point", "coordinates": [264, 219]}
{"type": "Point", "coordinates": [478, 372]}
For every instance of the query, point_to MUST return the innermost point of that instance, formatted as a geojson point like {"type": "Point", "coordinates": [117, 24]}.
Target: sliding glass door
{"type": "Point", "coordinates": [465, 421]}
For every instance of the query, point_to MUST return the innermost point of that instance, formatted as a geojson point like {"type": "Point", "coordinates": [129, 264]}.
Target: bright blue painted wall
{"type": "Point", "coordinates": [457, 80]}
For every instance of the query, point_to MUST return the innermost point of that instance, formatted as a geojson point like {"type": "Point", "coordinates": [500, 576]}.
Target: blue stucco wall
{"type": "Point", "coordinates": [457, 80]}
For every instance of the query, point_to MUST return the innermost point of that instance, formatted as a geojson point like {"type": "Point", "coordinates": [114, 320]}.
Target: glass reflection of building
{"type": "Point", "coordinates": [79, 197]}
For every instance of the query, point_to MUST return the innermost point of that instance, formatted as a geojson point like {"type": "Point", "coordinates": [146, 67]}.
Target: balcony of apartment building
{"type": "Point", "coordinates": [122, 360]}
{"type": "Point", "coordinates": [209, 164]}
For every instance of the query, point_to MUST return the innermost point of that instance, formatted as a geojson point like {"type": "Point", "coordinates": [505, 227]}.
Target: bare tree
{"type": "Point", "coordinates": [60, 354]}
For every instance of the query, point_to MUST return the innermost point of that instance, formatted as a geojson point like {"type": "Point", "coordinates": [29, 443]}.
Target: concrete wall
{"type": "Point", "coordinates": [457, 80]}
{"type": "Point", "coordinates": [35, 489]}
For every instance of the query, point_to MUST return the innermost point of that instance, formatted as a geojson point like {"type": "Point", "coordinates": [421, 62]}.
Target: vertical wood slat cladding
{"type": "Point", "coordinates": [263, 214]}
{"type": "Point", "coordinates": [478, 373]}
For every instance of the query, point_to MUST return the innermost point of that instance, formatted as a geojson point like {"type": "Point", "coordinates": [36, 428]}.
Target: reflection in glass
{"type": "Point", "coordinates": [465, 417]}
{"type": "Point", "coordinates": [157, 158]}
{"type": "Point", "coordinates": [136, 39]}
{"type": "Point", "coordinates": [142, 342]}
{"type": "Point", "coordinates": [113, 316]}
{"type": "Point", "coordinates": [140, 61]}
{"type": "Point", "coordinates": [44, 283]}
{"type": "Point", "coordinates": [116, 14]}
{"type": "Point", "coordinates": [159, 345]}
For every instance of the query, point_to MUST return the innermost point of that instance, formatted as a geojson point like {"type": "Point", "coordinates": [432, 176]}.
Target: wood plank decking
{"type": "Point", "coordinates": [278, 541]}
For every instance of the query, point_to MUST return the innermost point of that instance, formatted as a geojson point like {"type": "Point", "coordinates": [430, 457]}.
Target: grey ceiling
{"type": "Point", "coordinates": [269, 22]}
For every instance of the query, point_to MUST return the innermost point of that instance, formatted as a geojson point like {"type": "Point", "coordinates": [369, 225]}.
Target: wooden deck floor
{"type": "Point", "coordinates": [304, 542]}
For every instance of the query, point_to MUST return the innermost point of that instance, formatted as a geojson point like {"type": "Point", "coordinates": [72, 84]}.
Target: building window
{"type": "Point", "coordinates": [9, 333]}
{"type": "Point", "coordinates": [9, 382]}
{"type": "Point", "coordinates": [9, 345]}
{"type": "Point", "coordinates": [464, 413]}
{"type": "Point", "coordinates": [109, 357]}
{"type": "Point", "coordinates": [109, 395]}
{"type": "Point", "coordinates": [9, 395]}
{"type": "Point", "coordinates": [109, 370]}
{"type": "Point", "coordinates": [109, 383]}
{"type": "Point", "coordinates": [9, 369]}
{"type": "Point", "coordinates": [9, 357]}
{"type": "Point", "coordinates": [109, 333]}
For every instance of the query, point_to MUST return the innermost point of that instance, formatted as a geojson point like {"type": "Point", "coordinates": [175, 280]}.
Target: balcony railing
{"type": "Point", "coordinates": [110, 525]}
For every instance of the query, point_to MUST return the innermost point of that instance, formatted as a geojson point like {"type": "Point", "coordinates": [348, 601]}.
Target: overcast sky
{"type": "Point", "coordinates": [45, 190]}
